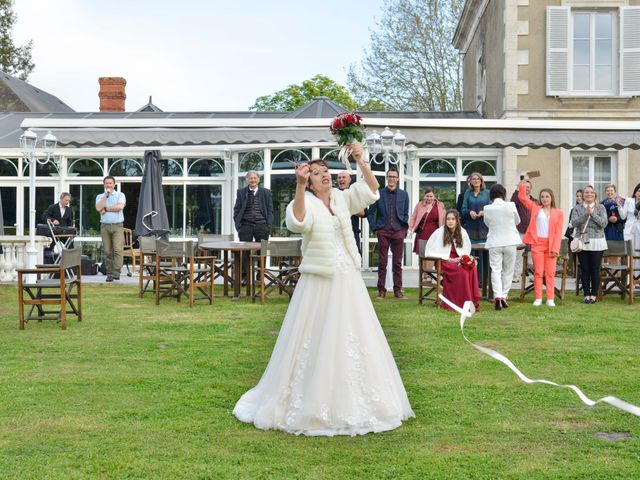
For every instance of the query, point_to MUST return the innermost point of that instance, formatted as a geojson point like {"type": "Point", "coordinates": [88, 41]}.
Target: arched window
{"type": "Point", "coordinates": [485, 168]}
{"type": "Point", "coordinates": [8, 167]}
{"type": "Point", "coordinates": [205, 167]}
{"type": "Point", "coordinates": [438, 167]}
{"type": "Point", "coordinates": [125, 167]}
{"type": "Point", "coordinates": [47, 169]}
{"type": "Point", "coordinates": [330, 155]}
{"type": "Point", "coordinates": [85, 167]}
{"type": "Point", "coordinates": [281, 159]}
{"type": "Point", "coordinates": [251, 161]}
{"type": "Point", "coordinates": [171, 167]}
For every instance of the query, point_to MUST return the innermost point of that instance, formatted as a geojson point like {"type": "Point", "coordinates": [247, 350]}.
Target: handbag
{"type": "Point", "coordinates": [577, 245]}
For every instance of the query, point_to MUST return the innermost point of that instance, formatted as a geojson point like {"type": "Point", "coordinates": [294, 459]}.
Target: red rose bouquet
{"type": "Point", "coordinates": [467, 262]}
{"type": "Point", "coordinates": [347, 128]}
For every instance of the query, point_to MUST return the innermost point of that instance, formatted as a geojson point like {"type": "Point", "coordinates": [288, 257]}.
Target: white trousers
{"type": "Point", "coordinates": [502, 262]}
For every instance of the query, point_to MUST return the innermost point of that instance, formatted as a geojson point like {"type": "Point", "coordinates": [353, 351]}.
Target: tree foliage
{"type": "Point", "coordinates": [295, 96]}
{"type": "Point", "coordinates": [410, 63]}
{"type": "Point", "coordinates": [14, 60]}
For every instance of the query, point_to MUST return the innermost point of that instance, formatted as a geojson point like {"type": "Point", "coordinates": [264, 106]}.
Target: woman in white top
{"type": "Point", "coordinates": [629, 212]}
{"type": "Point", "coordinates": [331, 371]}
{"type": "Point", "coordinates": [502, 241]}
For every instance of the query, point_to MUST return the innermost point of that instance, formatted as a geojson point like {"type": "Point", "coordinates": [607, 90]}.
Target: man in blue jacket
{"type": "Point", "coordinates": [388, 218]}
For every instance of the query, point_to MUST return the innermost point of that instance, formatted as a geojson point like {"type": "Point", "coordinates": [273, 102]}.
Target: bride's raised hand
{"type": "Point", "coordinates": [302, 173]}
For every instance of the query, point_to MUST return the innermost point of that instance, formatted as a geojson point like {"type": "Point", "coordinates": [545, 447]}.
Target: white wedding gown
{"type": "Point", "coordinates": [331, 371]}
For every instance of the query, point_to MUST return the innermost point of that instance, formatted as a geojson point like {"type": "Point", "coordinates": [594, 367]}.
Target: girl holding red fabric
{"type": "Point", "coordinates": [544, 235]}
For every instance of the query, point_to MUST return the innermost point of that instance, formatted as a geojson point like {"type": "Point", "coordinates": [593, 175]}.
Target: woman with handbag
{"type": "Point", "coordinates": [427, 216]}
{"type": "Point", "coordinates": [589, 220]}
{"type": "Point", "coordinates": [544, 234]}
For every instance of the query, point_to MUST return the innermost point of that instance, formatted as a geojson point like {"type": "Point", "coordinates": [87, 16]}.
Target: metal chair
{"type": "Point", "coordinates": [275, 268]}
{"type": "Point", "coordinates": [429, 276]}
{"type": "Point", "coordinates": [618, 275]}
{"type": "Point", "coordinates": [56, 290]}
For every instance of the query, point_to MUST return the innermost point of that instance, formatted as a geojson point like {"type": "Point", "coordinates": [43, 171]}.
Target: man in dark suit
{"type": "Point", "coordinates": [389, 218]}
{"type": "Point", "coordinates": [253, 212]}
{"type": "Point", "coordinates": [59, 213]}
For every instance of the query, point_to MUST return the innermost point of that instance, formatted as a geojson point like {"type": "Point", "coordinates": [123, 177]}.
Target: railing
{"type": "Point", "coordinates": [13, 256]}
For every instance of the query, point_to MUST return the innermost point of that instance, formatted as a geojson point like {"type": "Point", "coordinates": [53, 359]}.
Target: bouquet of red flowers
{"type": "Point", "coordinates": [468, 262]}
{"type": "Point", "coordinates": [347, 128]}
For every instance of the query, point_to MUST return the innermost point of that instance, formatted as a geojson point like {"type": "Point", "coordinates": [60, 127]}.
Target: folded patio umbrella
{"type": "Point", "coordinates": [151, 218]}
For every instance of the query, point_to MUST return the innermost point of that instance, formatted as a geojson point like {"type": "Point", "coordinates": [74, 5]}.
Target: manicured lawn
{"type": "Point", "coordinates": [139, 391]}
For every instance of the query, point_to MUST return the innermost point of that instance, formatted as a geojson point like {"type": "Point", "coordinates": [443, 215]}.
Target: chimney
{"type": "Point", "coordinates": [112, 95]}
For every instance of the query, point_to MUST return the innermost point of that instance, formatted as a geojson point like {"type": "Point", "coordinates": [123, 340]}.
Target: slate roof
{"type": "Point", "coordinates": [19, 96]}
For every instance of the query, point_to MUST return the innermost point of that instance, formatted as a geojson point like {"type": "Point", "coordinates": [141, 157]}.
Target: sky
{"type": "Point", "coordinates": [190, 54]}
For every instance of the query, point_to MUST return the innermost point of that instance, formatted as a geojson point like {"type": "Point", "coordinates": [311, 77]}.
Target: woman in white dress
{"type": "Point", "coordinates": [331, 371]}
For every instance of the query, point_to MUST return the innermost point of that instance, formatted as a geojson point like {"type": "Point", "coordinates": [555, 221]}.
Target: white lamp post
{"type": "Point", "coordinates": [28, 142]}
{"type": "Point", "coordinates": [386, 143]}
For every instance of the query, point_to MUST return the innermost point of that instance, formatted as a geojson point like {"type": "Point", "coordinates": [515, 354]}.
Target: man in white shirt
{"type": "Point", "coordinates": [111, 204]}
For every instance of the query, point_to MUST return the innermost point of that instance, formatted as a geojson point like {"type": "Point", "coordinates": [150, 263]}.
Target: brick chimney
{"type": "Point", "coordinates": [112, 95]}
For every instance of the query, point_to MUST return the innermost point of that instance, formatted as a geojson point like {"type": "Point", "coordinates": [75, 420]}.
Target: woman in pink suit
{"type": "Point", "coordinates": [544, 235]}
{"type": "Point", "coordinates": [425, 218]}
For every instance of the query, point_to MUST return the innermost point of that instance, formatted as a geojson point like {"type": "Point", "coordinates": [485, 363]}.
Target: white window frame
{"type": "Point", "coordinates": [615, 53]}
{"type": "Point", "coordinates": [592, 155]}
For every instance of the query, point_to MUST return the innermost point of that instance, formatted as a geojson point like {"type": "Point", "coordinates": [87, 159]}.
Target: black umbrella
{"type": "Point", "coordinates": [1, 219]}
{"type": "Point", "coordinates": [151, 218]}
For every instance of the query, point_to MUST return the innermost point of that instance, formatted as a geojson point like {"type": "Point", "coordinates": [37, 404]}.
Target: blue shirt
{"type": "Point", "coordinates": [114, 199]}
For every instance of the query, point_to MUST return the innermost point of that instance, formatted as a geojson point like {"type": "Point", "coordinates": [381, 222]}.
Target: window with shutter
{"type": "Point", "coordinates": [630, 51]}
{"type": "Point", "coordinates": [558, 50]}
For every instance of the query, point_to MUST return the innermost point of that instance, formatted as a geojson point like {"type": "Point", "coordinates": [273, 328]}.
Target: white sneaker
{"type": "Point", "coordinates": [551, 303]}
{"type": "Point", "coordinates": [537, 302]}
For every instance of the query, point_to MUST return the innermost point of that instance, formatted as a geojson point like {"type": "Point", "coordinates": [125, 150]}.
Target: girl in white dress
{"type": "Point", "coordinates": [331, 371]}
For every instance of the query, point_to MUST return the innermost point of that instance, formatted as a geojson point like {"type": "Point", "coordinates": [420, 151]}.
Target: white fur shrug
{"type": "Point", "coordinates": [435, 248]}
{"type": "Point", "coordinates": [317, 227]}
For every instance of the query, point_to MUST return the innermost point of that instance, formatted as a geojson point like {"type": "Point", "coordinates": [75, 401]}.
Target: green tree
{"type": "Point", "coordinates": [410, 63]}
{"type": "Point", "coordinates": [14, 60]}
{"type": "Point", "coordinates": [295, 96]}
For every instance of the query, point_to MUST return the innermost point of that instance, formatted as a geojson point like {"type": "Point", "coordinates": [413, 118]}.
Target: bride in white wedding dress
{"type": "Point", "coordinates": [331, 371]}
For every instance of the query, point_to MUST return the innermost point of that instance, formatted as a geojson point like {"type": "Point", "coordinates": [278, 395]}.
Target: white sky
{"type": "Point", "coordinates": [190, 54]}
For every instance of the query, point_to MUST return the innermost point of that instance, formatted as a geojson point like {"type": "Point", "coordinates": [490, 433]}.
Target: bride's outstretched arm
{"type": "Point", "coordinates": [302, 177]}
{"type": "Point", "coordinates": [367, 174]}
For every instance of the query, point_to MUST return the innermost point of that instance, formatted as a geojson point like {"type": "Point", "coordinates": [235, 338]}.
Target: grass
{"type": "Point", "coordinates": [139, 391]}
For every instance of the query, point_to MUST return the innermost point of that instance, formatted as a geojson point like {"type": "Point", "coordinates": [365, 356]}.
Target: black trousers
{"type": "Point", "coordinates": [252, 232]}
{"type": "Point", "coordinates": [590, 271]}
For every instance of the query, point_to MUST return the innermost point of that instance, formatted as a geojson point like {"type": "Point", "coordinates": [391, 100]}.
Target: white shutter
{"type": "Point", "coordinates": [558, 50]}
{"type": "Point", "coordinates": [629, 50]}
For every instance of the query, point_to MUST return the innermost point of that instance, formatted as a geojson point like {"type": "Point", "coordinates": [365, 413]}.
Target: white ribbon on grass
{"type": "Point", "coordinates": [468, 310]}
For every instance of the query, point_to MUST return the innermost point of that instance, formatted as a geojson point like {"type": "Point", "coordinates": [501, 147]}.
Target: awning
{"type": "Point", "coordinates": [424, 133]}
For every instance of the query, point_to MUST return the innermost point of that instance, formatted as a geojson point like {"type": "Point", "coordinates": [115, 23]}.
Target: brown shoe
{"type": "Point", "coordinates": [400, 296]}
{"type": "Point", "coordinates": [381, 295]}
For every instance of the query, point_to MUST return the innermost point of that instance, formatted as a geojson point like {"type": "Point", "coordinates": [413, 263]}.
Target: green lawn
{"type": "Point", "coordinates": [139, 391]}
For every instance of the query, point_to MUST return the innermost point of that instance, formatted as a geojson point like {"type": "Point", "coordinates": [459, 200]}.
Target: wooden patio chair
{"type": "Point", "coordinates": [429, 276]}
{"type": "Point", "coordinates": [129, 251]}
{"type": "Point", "coordinates": [53, 291]}
{"type": "Point", "coordinates": [614, 275]}
{"type": "Point", "coordinates": [275, 267]}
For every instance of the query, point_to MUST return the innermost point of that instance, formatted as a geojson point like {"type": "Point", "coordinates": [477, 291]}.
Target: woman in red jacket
{"type": "Point", "coordinates": [544, 235]}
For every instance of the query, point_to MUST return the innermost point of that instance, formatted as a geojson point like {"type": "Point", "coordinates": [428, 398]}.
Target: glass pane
{"type": "Point", "coordinates": [486, 168]}
{"type": "Point", "coordinates": [48, 169]}
{"type": "Point", "coordinates": [330, 155]}
{"type": "Point", "coordinates": [581, 78]}
{"type": "Point", "coordinates": [8, 167]}
{"type": "Point", "coordinates": [83, 206]}
{"type": "Point", "coordinates": [8, 208]}
{"type": "Point", "coordinates": [581, 52]}
{"type": "Point", "coordinates": [581, 169]}
{"type": "Point", "coordinates": [603, 78]}
{"type": "Point", "coordinates": [171, 167]}
{"type": "Point", "coordinates": [45, 196]}
{"type": "Point", "coordinates": [174, 202]}
{"type": "Point", "coordinates": [283, 188]}
{"type": "Point", "coordinates": [251, 161]}
{"type": "Point", "coordinates": [204, 209]}
{"type": "Point", "coordinates": [281, 159]}
{"type": "Point", "coordinates": [602, 167]}
{"type": "Point", "coordinates": [125, 167]}
{"type": "Point", "coordinates": [205, 167]}
{"type": "Point", "coordinates": [437, 167]}
{"type": "Point", "coordinates": [603, 52]}
{"type": "Point", "coordinates": [604, 25]}
{"type": "Point", "coordinates": [445, 192]}
{"type": "Point", "coordinates": [85, 167]}
{"type": "Point", "coordinates": [581, 25]}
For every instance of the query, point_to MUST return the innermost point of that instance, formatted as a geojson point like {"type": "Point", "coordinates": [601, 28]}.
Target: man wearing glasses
{"type": "Point", "coordinates": [388, 218]}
